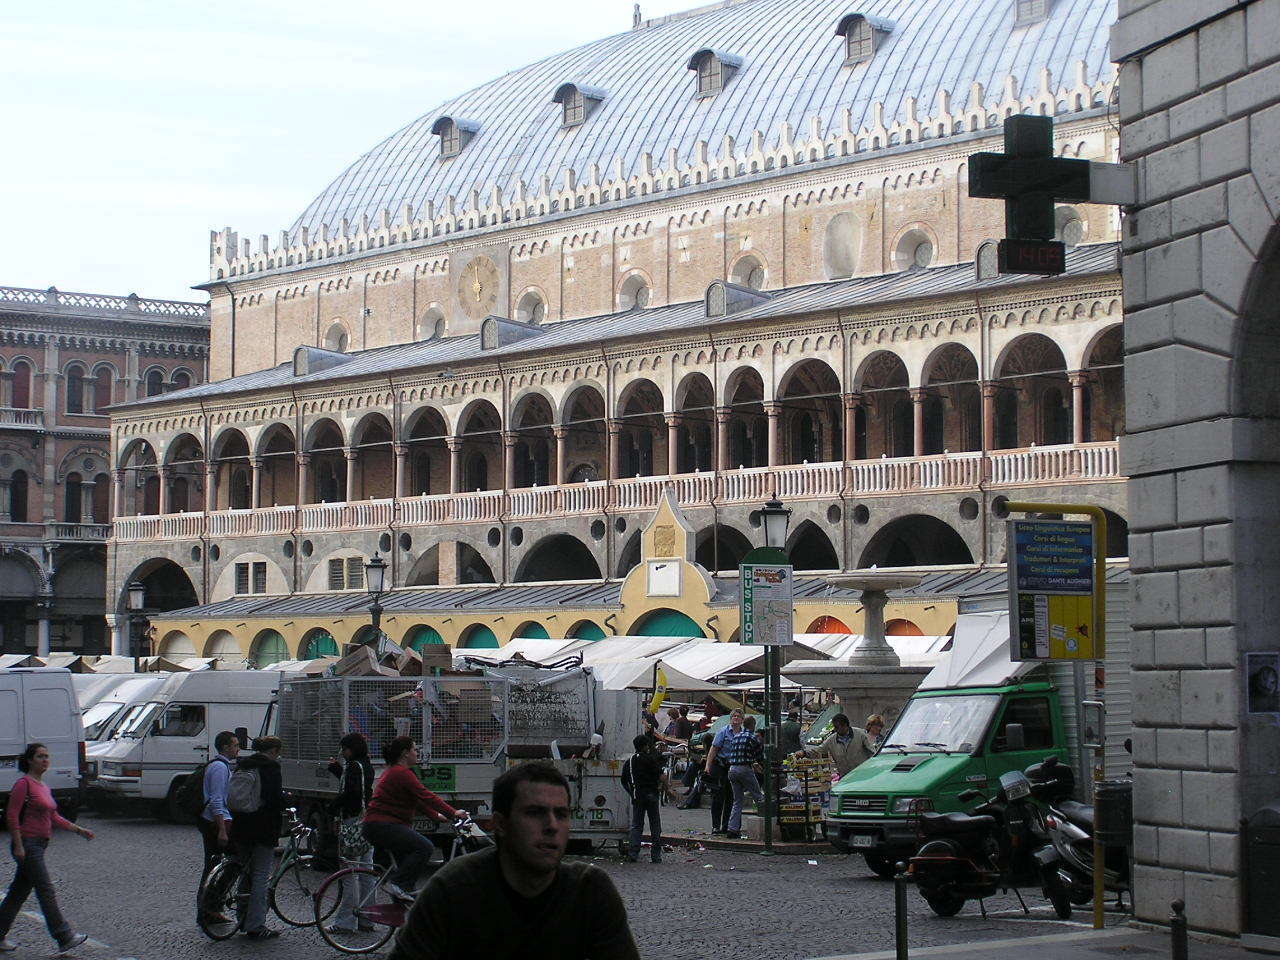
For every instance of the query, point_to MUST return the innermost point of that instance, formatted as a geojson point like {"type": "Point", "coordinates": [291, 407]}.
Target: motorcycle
{"type": "Point", "coordinates": [972, 856]}
{"type": "Point", "coordinates": [1069, 826]}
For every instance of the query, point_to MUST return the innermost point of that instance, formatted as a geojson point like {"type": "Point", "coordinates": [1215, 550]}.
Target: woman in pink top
{"type": "Point", "coordinates": [31, 816]}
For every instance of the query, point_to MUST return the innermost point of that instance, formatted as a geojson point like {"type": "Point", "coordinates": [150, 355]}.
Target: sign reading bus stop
{"type": "Point", "coordinates": [1051, 591]}
{"type": "Point", "coordinates": [767, 604]}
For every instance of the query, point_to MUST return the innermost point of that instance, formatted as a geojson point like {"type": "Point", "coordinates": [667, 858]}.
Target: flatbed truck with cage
{"type": "Point", "coordinates": [470, 729]}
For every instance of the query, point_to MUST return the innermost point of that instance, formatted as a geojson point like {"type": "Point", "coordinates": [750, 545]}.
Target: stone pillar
{"type": "Point", "coordinates": [4, 500]}
{"type": "Point", "coordinates": [509, 441]}
{"type": "Point", "coordinates": [723, 451]}
{"type": "Point", "coordinates": [303, 492]}
{"type": "Point", "coordinates": [673, 441]}
{"type": "Point", "coordinates": [455, 463]}
{"type": "Point", "coordinates": [562, 453]}
{"type": "Point", "coordinates": [615, 449]}
{"type": "Point", "coordinates": [402, 469]}
{"type": "Point", "coordinates": [42, 628]}
{"type": "Point", "coordinates": [852, 401]}
{"type": "Point", "coordinates": [165, 472]}
{"type": "Point", "coordinates": [255, 490]}
{"type": "Point", "coordinates": [773, 410]}
{"type": "Point", "coordinates": [351, 453]}
{"type": "Point", "coordinates": [989, 389]}
{"type": "Point", "coordinates": [917, 424]}
{"type": "Point", "coordinates": [1079, 380]}
{"type": "Point", "coordinates": [86, 501]}
{"type": "Point", "coordinates": [119, 627]}
{"type": "Point", "coordinates": [117, 492]}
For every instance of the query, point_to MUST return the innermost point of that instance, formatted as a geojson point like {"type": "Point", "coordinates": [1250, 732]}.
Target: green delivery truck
{"type": "Point", "coordinates": [954, 734]}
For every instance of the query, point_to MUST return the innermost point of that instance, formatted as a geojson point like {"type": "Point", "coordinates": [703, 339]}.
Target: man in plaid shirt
{"type": "Point", "coordinates": [739, 749]}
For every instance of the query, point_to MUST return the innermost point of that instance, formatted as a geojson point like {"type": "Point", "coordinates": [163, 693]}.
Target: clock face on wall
{"type": "Point", "coordinates": [478, 287]}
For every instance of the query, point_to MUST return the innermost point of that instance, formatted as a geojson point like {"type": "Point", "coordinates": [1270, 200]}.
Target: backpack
{"type": "Point", "coordinates": [191, 799]}
{"type": "Point", "coordinates": [244, 792]}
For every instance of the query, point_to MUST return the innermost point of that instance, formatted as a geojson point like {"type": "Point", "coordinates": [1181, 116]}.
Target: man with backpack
{"type": "Point", "coordinates": [206, 792]}
{"type": "Point", "coordinates": [255, 798]}
{"type": "Point", "coordinates": [642, 779]}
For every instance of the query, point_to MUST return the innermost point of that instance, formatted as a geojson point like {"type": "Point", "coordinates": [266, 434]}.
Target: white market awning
{"type": "Point", "coordinates": [979, 655]}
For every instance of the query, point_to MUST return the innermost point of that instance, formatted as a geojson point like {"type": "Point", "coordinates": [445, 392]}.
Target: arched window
{"type": "Point", "coordinates": [18, 496]}
{"type": "Point", "coordinates": [75, 390]}
{"type": "Point", "coordinates": [320, 644]}
{"type": "Point", "coordinates": [181, 380]}
{"type": "Point", "coordinates": [71, 506]}
{"type": "Point", "coordinates": [22, 385]}
{"type": "Point", "coordinates": [859, 40]}
{"type": "Point", "coordinates": [915, 249]}
{"type": "Point", "coordinates": [477, 472]}
{"type": "Point", "coordinates": [268, 648]}
{"type": "Point", "coordinates": [101, 499]}
{"type": "Point", "coordinates": [454, 134]}
{"type": "Point", "coordinates": [155, 383]}
{"type": "Point", "coordinates": [748, 272]}
{"type": "Point", "coordinates": [101, 389]}
{"type": "Point", "coordinates": [986, 261]}
{"type": "Point", "coordinates": [430, 325]}
{"type": "Point", "coordinates": [713, 69]}
{"type": "Point", "coordinates": [336, 338]}
{"type": "Point", "coordinates": [531, 309]}
{"type": "Point", "coordinates": [1068, 226]}
{"type": "Point", "coordinates": [634, 294]}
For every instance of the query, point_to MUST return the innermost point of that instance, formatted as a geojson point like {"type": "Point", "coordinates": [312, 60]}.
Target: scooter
{"type": "Point", "coordinates": [966, 857]}
{"type": "Point", "coordinates": [1069, 826]}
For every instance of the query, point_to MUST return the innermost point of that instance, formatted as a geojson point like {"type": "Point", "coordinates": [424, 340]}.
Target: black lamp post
{"type": "Point", "coordinates": [776, 520]}
{"type": "Point", "coordinates": [375, 580]}
{"type": "Point", "coordinates": [137, 600]}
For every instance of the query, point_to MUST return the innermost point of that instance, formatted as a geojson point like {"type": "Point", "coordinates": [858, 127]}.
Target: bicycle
{"type": "Point", "coordinates": [378, 914]}
{"type": "Point", "coordinates": [291, 888]}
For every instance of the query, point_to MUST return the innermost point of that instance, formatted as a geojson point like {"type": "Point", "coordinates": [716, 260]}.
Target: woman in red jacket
{"type": "Point", "coordinates": [388, 820]}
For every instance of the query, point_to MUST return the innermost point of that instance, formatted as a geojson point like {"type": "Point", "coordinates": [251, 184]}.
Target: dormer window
{"type": "Point", "coordinates": [578, 101]}
{"type": "Point", "coordinates": [714, 69]}
{"type": "Point", "coordinates": [862, 35]}
{"type": "Point", "coordinates": [454, 134]}
{"type": "Point", "coordinates": [1031, 11]}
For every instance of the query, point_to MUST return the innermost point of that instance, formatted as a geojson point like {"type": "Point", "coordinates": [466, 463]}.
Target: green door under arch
{"type": "Point", "coordinates": [422, 636]}
{"type": "Point", "coordinates": [667, 623]}
{"type": "Point", "coordinates": [533, 630]}
{"type": "Point", "coordinates": [320, 645]}
{"type": "Point", "coordinates": [587, 630]}
{"type": "Point", "coordinates": [269, 648]}
{"type": "Point", "coordinates": [480, 637]}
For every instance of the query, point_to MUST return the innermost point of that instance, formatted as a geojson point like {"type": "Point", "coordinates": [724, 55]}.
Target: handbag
{"type": "Point", "coordinates": [352, 844]}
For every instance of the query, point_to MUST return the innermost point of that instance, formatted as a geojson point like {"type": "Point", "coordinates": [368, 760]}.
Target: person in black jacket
{"type": "Point", "coordinates": [642, 779]}
{"type": "Point", "coordinates": [355, 788]}
{"type": "Point", "coordinates": [255, 830]}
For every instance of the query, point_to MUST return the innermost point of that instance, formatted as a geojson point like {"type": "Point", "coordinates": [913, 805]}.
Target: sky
{"type": "Point", "coordinates": [134, 128]}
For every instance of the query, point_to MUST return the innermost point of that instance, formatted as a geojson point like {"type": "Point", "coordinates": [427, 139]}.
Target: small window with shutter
{"type": "Point", "coordinates": [260, 577]}
{"type": "Point", "coordinates": [355, 573]}
{"type": "Point", "coordinates": [337, 575]}
{"type": "Point", "coordinates": [242, 578]}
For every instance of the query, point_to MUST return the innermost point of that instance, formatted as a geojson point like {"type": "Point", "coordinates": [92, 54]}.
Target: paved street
{"type": "Point", "coordinates": [131, 890]}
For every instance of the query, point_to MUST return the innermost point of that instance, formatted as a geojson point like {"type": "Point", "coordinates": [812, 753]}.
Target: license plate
{"type": "Point", "coordinates": [862, 841]}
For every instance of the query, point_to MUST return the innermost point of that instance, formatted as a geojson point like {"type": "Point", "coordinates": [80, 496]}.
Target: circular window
{"type": "Point", "coordinates": [1068, 226]}
{"type": "Point", "coordinates": [753, 518]}
{"type": "Point", "coordinates": [620, 525]}
{"type": "Point", "coordinates": [406, 541]}
{"type": "Point", "coordinates": [861, 514]}
{"type": "Point", "coordinates": [287, 548]}
{"type": "Point", "coordinates": [597, 530]}
{"type": "Point", "coordinates": [308, 548]}
{"type": "Point", "coordinates": [384, 543]}
{"type": "Point", "coordinates": [195, 554]}
{"type": "Point", "coordinates": [517, 535]}
{"type": "Point", "coordinates": [923, 255]}
{"type": "Point", "coordinates": [214, 552]}
{"type": "Point", "coordinates": [833, 514]}
{"type": "Point", "coordinates": [495, 537]}
{"type": "Point", "coordinates": [969, 508]}
{"type": "Point", "coordinates": [1000, 507]}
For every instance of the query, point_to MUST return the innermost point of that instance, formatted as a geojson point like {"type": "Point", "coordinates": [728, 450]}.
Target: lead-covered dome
{"type": "Point", "coordinates": [774, 61]}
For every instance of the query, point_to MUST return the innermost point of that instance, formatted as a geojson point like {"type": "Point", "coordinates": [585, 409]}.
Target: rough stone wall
{"type": "Point", "coordinates": [1199, 88]}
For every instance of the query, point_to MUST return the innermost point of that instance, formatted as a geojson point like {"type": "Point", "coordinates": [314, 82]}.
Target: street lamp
{"type": "Point", "coordinates": [137, 601]}
{"type": "Point", "coordinates": [777, 520]}
{"type": "Point", "coordinates": [375, 580]}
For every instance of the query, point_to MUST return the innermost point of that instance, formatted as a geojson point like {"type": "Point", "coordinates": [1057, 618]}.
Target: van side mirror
{"type": "Point", "coordinates": [1014, 737]}
{"type": "Point", "coordinates": [242, 734]}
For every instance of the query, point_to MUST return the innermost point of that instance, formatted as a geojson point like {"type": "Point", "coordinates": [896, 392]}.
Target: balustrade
{"type": "Point", "coordinates": [21, 417]}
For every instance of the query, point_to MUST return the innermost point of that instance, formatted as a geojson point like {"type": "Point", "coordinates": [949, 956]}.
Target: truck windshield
{"type": "Point", "coordinates": [947, 724]}
{"type": "Point", "coordinates": [139, 722]}
{"type": "Point", "coordinates": [97, 717]}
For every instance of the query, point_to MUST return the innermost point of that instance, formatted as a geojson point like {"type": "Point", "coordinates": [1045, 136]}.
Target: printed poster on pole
{"type": "Point", "coordinates": [1052, 609]}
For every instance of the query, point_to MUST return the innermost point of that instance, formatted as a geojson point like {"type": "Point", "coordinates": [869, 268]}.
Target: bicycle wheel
{"type": "Point", "coordinates": [293, 893]}
{"type": "Point", "coordinates": [216, 912]}
{"type": "Point", "coordinates": [371, 917]}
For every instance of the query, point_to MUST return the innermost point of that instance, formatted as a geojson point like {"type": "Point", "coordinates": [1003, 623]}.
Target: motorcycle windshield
{"type": "Point", "coordinates": [945, 724]}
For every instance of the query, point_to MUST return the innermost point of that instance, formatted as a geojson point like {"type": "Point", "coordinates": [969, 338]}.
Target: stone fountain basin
{"type": "Point", "coordinates": [875, 580]}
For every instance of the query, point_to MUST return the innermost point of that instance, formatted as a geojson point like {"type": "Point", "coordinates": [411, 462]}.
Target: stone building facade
{"type": "Point", "coordinates": [65, 359]}
{"type": "Point", "coordinates": [492, 343]}
{"type": "Point", "coordinates": [1200, 117]}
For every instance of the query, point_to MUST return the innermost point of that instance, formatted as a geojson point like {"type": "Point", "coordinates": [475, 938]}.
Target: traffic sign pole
{"type": "Point", "coordinates": [1099, 519]}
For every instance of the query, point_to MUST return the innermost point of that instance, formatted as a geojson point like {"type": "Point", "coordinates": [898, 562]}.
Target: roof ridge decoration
{"type": "Point", "coordinates": [232, 256]}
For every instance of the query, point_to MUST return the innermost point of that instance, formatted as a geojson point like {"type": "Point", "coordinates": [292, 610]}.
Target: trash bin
{"type": "Point", "coordinates": [1113, 813]}
{"type": "Point", "coordinates": [1262, 871]}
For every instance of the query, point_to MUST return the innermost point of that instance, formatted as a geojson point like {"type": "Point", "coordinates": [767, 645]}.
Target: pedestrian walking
{"type": "Point", "coordinates": [388, 821]}
{"type": "Point", "coordinates": [31, 817]}
{"type": "Point", "coordinates": [519, 898]}
{"type": "Point", "coordinates": [735, 746]}
{"type": "Point", "coordinates": [845, 746]}
{"type": "Point", "coordinates": [789, 734]}
{"type": "Point", "coordinates": [642, 779]}
{"type": "Point", "coordinates": [355, 789]}
{"type": "Point", "coordinates": [255, 798]}
{"type": "Point", "coordinates": [215, 819]}
{"type": "Point", "coordinates": [715, 776]}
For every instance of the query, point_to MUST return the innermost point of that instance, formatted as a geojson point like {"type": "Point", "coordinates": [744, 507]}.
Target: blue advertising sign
{"type": "Point", "coordinates": [1053, 556]}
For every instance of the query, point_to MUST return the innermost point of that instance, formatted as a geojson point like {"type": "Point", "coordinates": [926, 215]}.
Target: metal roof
{"type": "Point", "coordinates": [915, 283]}
{"type": "Point", "coordinates": [792, 70]}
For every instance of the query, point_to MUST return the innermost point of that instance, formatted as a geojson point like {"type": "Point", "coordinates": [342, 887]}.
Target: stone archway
{"type": "Point", "coordinates": [918, 540]}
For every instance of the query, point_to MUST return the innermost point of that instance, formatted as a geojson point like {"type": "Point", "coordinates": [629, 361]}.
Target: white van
{"type": "Point", "coordinates": [164, 738]}
{"type": "Point", "coordinates": [38, 705]}
{"type": "Point", "coordinates": [102, 717]}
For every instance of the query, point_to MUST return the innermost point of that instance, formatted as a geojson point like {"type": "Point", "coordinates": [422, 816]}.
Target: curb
{"type": "Point", "coordinates": [681, 842]}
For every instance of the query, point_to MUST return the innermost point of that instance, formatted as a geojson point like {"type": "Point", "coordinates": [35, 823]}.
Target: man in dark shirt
{"type": "Point", "coordinates": [642, 779]}
{"type": "Point", "coordinates": [517, 899]}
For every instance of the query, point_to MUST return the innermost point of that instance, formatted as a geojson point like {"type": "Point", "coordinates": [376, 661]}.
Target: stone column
{"type": "Point", "coordinates": [773, 410]}
{"type": "Point", "coordinates": [4, 500]}
{"type": "Point", "coordinates": [86, 501]}
{"type": "Point", "coordinates": [723, 451]}
{"type": "Point", "coordinates": [989, 389]}
{"type": "Point", "coordinates": [455, 463]}
{"type": "Point", "coordinates": [509, 441]}
{"type": "Point", "coordinates": [1079, 380]}
{"type": "Point", "coordinates": [917, 426]}
{"type": "Point", "coordinates": [165, 472]}
{"type": "Point", "coordinates": [673, 441]}
{"type": "Point", "coordinates": [119, 627]}
{"type": "Point", "coordinates": [42, 628]}
{"type": "Point", "coordinates": [351, 454]}
{"type": "Point", "coordinates": [117, 492]}
{"type": "Point", "coordinates": [615, 449]}
{"type": "Point", "coordinates": [255, 488]}
{"type": "Point", "coordinates": [303, 492]}
{"type": "Point", "coordinates": [852, 401]}
{"type": "Point", "coordinates": [402, 469]}
{"type": "Point", "coordinates": [562, 453]}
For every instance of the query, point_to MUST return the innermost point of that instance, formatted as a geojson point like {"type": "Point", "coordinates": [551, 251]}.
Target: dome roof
{"type": "Point", "coordinates": [792, 69]}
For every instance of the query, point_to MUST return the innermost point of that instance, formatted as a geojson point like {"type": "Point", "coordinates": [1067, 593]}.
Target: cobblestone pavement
{"type": "Point", "coordinates": [132, 890]}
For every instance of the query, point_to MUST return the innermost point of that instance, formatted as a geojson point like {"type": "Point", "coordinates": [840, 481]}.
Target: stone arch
{"type": "Point", "coordinates": [316, 643]}
{"type": "Point", "coordinates": [480, 432]}
{"type": "Point", "coordinates": [952, 400]}
{"type": "Point", "coordinates": [915, 540]}
{"type": "Point", "coordinates": [635, 291]}
{"type": "Point", "coordinates": [629, 555]}
{"type": "Point", "coordinates": [326, 446]}
{"type": "Point", "coordinates": [585, 630]}
{"type": "Point", "coordinates": [425, 434]}
{"type": "Point", "coordinates": [176, 643]}
{"type": "Point", "coordinates": [642, 451]}
{"type": "Point", "coordinates": [431, 325]}
{"type": "Point", "coordinates": [749, 270]}
{"type": "Point", "coordinates": [167, 586]}
{"type": "Point", "coordinates": [534, 453]}
{"type": "Point", "coordinates": [720, 548]}
{"type": "Point", "coordinates": [810, 548]}
{"type": "Point", "coordinates": [531, 630]}
{"type": "Point", "coordinates": [560, 556]}
{"type": "Point", "coordinates": [916, 245]}
{"type": "Point", "coordinates": [224, 645]}
{"type": "Point", "coordinates": [336, 337]}
{"type": "Point", "coordinates": [665, 622]}
{"type": "Point", "coordinates": [748, 426]}
{"type": "Point", "coordinates": [810, 418]}
{"type": "Point", "coordinates": [268, 648]}
{"type": "Point", "coordinates": [582, 420]}
{"type": "Point", "coordinates": [884, 420]}
{"type": "Point", "coordinates": [1033, 393]}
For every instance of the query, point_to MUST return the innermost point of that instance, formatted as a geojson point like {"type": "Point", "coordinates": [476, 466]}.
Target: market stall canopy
{"type": "Point", "coordinates": [621, 648]}
{"type": "Point", "coordinates": [709, 660]}
{"type": "Point", "coordinates": [912, 651]}
{"type": "Point", "coordinates": [112, 664]}
{"type": "Point", "coordinates": [638, 675]}
{"type": "Point", "coordinates": [537, 649]}
{"type": "Point", "coordinates": [10, 661]}
{"type": "Point", "coordinates": [311, 668]}
{"type": "Point", "coordinates": [979, 655]}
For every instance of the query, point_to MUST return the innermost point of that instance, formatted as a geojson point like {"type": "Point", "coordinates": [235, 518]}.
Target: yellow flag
{"type": "Point", "coordinates": [659, 690]}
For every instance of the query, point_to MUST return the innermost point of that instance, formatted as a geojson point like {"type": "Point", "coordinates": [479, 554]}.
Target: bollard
{"type": "Point", "coordinates": [900, 912]}
{"type": "Point", "coordinates": [1178, 931]}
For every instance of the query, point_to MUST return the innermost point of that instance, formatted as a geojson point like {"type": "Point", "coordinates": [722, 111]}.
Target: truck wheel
{"type": "Point", "coordinates": [881, 866]}
{"type": "Point", "coordinates": [171, 809]}
{"type": "Point", "coordinates": [944, 904]}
